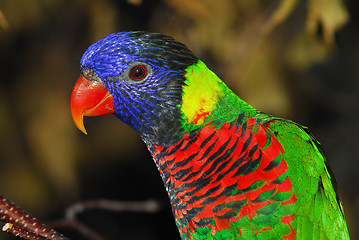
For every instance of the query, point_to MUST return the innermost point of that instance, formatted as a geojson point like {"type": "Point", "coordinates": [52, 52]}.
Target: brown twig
{"type": "Point", "coordinates": [14, 230]}
{"type": "Point", "coordinates": [79, 227]}
{"type": "Point", "coordinates": [22, 224]}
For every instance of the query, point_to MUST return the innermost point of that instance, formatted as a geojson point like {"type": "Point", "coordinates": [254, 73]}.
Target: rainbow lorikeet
{"type": "Point", "coordinates": [231, 172]}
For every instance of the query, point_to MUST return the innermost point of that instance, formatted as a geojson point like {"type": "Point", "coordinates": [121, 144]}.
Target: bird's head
{"type": "Point", "coordinates": [138, 76]}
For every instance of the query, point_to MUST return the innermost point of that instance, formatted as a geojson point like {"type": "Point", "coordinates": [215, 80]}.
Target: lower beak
{"type": "Point", "coordinates": [89, 98]}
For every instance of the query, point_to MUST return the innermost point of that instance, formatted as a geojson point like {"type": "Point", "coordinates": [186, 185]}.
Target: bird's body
{"type": "Point", "coordinates": [231, 172]}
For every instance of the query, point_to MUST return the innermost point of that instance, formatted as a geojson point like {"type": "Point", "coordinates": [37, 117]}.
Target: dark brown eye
{"type": "Point", "coordinates": [89, 75]}
{"type": "Point", "coordinates": [138, 72]}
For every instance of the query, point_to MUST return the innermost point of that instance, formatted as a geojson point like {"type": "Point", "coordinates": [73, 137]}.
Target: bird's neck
{"type": "Point", "coordinates": [205, 100]}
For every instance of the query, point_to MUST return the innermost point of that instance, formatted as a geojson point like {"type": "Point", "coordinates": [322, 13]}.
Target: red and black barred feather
{"type": "Point", "coordinates": [216, 176]}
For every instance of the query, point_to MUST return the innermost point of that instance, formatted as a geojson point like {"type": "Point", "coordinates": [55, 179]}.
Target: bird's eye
{"type": "Point", "coordinates": [89, 75]}
{"type": "Point", "coordinates": [138, 72]}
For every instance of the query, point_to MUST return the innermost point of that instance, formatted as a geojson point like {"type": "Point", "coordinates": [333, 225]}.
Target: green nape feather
{"type": "Point", "coordinates": [210, 100]}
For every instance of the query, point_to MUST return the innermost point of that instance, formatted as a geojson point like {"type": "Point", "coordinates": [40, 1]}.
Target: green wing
{"type": "Point", "coordinates": [319, 214]}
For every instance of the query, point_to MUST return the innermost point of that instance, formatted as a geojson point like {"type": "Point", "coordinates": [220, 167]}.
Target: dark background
{"type": "Point", "coordinates": [300, 62]}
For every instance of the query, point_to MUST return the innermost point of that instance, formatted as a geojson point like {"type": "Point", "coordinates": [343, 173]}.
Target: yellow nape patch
{"type": "Point", "coordinates": [201, 92]}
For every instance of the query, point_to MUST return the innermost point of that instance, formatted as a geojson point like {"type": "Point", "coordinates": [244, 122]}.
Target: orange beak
{"type": "Point", "coordinates": [89, 98]}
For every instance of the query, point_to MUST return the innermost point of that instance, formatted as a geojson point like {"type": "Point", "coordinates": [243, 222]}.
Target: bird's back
{"type": "Point", "coordinates": [318, 210]}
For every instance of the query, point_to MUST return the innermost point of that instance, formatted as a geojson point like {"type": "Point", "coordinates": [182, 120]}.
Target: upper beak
{"type": "Point", "coordinates": [89, 98]}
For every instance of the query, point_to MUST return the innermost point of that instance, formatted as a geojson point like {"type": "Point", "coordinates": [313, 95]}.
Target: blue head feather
{"type": "Point", "coordinates": [150, 106]}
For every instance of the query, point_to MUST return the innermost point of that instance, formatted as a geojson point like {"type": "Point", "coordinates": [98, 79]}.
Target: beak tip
{"type": "Point", "coordinates": [83, 130]}
{"type": "Point", "coordinates": [78, 119]}
{"type": "Point", "coordinates": [80, 124]}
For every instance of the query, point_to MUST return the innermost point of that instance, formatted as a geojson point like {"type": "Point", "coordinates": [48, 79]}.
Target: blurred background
{"type": "Point", "coordinates": [294, 59]}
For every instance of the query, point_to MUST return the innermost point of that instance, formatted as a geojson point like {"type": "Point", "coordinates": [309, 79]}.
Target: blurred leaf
{"type": "Point", "coordinates": [304, 51]}
{"type": "Point", "coordinates": [331, 15]}
{"type": "Point", "coordinates": [263, 81]}
{"type": "Point", "coordinates": [4, 24]}
{"type": "Point", "coordinates": [285, 8]}
{"type": "Point", "coordinates": [102, 18]}
{"type": "Point", "coordinates": [29, 14]}
{"type": "Point", "coordinates": [192, 9]}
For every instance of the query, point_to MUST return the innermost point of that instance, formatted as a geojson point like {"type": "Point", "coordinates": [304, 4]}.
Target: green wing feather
{"type": "Point", "coordinates": [319, 211]}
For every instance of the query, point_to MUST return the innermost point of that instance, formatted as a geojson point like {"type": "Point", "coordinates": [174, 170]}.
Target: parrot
{"type": "Point", "coordinates": [231, 172]}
